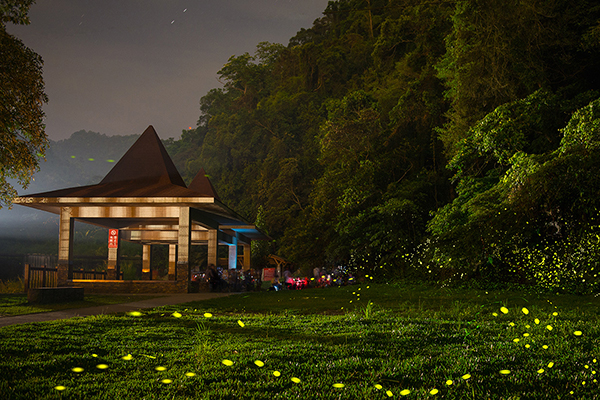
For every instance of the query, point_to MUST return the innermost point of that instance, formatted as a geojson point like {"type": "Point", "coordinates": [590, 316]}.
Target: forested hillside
{"type": "Point", "coordinates": [454, 139]}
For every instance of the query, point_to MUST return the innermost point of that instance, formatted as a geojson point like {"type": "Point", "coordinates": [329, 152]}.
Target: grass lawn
{"type": "Point", "coordinates": [16, 304]}
{"type": "Point", "coordinates": [357, 342]}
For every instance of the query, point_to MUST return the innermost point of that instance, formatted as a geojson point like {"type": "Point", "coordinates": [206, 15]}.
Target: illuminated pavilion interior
{"type": "Point", "coordinates": [143, 199]}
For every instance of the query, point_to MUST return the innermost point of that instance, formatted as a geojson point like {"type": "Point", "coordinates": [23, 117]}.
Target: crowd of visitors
{"type": "Point", "coordinates": [220, 280]}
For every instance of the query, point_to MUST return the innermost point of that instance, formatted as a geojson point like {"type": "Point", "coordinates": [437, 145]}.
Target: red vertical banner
{"type": "Point", "coordinates": [113, 238]}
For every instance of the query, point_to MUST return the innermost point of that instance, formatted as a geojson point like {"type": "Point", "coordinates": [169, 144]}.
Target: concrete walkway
{"type": "Point", "coordinates": [110, 309]}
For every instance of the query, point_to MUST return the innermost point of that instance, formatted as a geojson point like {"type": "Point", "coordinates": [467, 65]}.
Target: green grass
{"type": "Point", "coordinates": [16, 304]}
{"type": "Point", "coordinates": [413, 338]}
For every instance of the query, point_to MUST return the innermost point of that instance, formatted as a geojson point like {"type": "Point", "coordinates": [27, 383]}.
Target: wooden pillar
{"type": "Point", "coordinates": [184, 244]}
{"type": "Point", "coordinates": [247, 249]}
{"type": "Point", "coordinates": [172, 262]}
{"type": "Point", "coordinates": [146, 259]}
{"type": "Point", "coordinates": [65, 247]}
{"type": "Point", "coordinates": [212, 247]}
{"type": "Point", "coordinates": [111, 268]}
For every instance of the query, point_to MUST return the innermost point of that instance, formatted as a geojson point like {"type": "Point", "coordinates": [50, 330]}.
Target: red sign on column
{"type": "Point", "coordinates": [113, 238]}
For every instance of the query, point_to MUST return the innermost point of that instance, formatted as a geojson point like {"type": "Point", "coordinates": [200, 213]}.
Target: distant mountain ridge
{"type": "Point", "coordinates": [82, 159]}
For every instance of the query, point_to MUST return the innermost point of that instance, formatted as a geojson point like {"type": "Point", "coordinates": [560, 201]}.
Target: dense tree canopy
{"type": "Point", "coordinates": [441, 137]}
{"type": "Point", "coordinates": [22, 137]}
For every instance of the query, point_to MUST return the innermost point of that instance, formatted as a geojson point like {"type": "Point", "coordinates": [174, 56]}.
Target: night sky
{"type": "Point", "coordinates": [117, 66]}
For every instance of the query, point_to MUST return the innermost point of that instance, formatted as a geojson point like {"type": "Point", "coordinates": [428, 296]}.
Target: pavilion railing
{"type": "Point", "coordinates": [43, 276]}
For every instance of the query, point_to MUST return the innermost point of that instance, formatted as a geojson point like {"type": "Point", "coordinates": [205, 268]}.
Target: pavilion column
{"type": "Point", "coordinates": [172, 262]}
{"type": "Point", "coordinates": [146, 259]}
{"type": "Point", "coordinates": [247, 249]}
{"type": "Point", "coordinates": [65, 247]}
{"type": "Point", "coordinates": [111, 268]}
{"type": "Point", "coordinates": [233, 249]}
{"type": "Point", "coordinates": [184, 244]}
{"type": "Point", "coordinates": [212, 247]}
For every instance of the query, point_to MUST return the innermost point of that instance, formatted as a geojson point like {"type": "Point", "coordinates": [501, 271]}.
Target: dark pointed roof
{"type": "Point", "coordinates": [202, 184]}
{"type": "Point", "coordinates": [146, 159]}
{"type": "Point", "coordinates": [145, 170]}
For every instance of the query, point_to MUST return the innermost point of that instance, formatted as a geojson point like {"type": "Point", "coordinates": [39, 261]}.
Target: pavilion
{"type": "Point", "coordinates": [143, 199]}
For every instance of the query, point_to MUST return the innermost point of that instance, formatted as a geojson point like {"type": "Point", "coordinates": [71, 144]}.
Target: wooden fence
{"type": "Point", "coordinates": [36, 277]}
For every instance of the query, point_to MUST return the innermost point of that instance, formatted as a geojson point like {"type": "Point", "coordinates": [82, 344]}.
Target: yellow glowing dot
{"type": "Point", "coordinates": [190, 374]}
{"type": "Point", "coordinates": [167, 381]}
{"type": "Point", "coordinates": [544, 347]}
{"type": "Point", "coordinates": [466, 376]}
{"type": "Point", "coordinates": [555, 313]}
{"type": "Point", "coordinates": [134, 313]}
{"type": "Point", "coordinates": [110, 160]}
{"type": "Point", "coordinates": [389, 393]}
{"type": "Point", "coordinates": [229, 363]}
{"type": "Point", "coordinates": [540, 371]}
{"type": "Point", "coordinates": [434, 391]}
{"type": "Point", "coordinates": [127, 357]}
{"type": "Point", "coordinates": [594, 360]}
{"type": "Point", "coordinates": [525, 311]}
{"type": "Point", "coordinates": [160, 368]}
{"type": "Point", "coordinates": [207, 315]}
{"type": "Point", "coordinates": [504, 372]}
{"type": "Point", "coordinates": [549, 327]}
{"type": "Point", "coordinates": [550, 364]}
{"type": "Point", "coordinates": [240, 323]}
{"type": "Point", "coordinates": [90, 159]}
{"type": "Point", "coordinates": [586, 366]}
{"type": "Point", "coordinates": [94, 355]}
{"type": "Point", "coordinates": [512, 324]}
{"type": "Point", "coordinates": [72, 156]}
{"type": "Point", "coordinates": [378, 386]}
{"type": "Point", "coordinates": [60, 388]}
{"type": "Point", "coordinates": [527, 326]}
{"type": "Point", "coordinates": [526, 334]}
{"type": "Point", "coordinates": [583, 383]}
{"type": "Point", "coordinates": [295, 380]}
{"type": "Point", "coordinates": [495, 314]}
{"type": "Point", "coordinates": [338, 385]}
{"type": "Point", "coordinates": [259, 363]}
{"type": "Point", "coordinates": [516, 340]}
{"type": "Point", "coordinates": [577, 333]}
{"type": "Point", "coordinates": [77, 369]}
{"type": "Point", "coordinates": [366, 276]}
{"type": "Point", "coordinates": [449, 382]}
{"type": "Point", "coordinates": [276, 373]}
{"type": "Point", "coordinates": [404, 392]}
{"type": "Point", "coordinates": [527, 346]}
{"type": "Point", "coordinates": [101, 366]}
{"type": "Point", "coordinates": [504, 310]}
{"type": "Point", "coordinates": [176, 314]}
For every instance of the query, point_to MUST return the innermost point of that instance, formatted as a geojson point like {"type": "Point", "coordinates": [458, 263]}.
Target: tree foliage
{"type": "Point", "coordinates": [342, 138]}
{"type": "Point", "coordinates": [22, 137]}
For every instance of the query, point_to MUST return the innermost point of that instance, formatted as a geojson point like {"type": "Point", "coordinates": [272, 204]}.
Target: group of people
{"type": "Point", "coordinates": [247, 280]}
{"type": "Point", "coordinates": [250, 280]}
{"type": "Point", "coordinates": [321, 278]}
